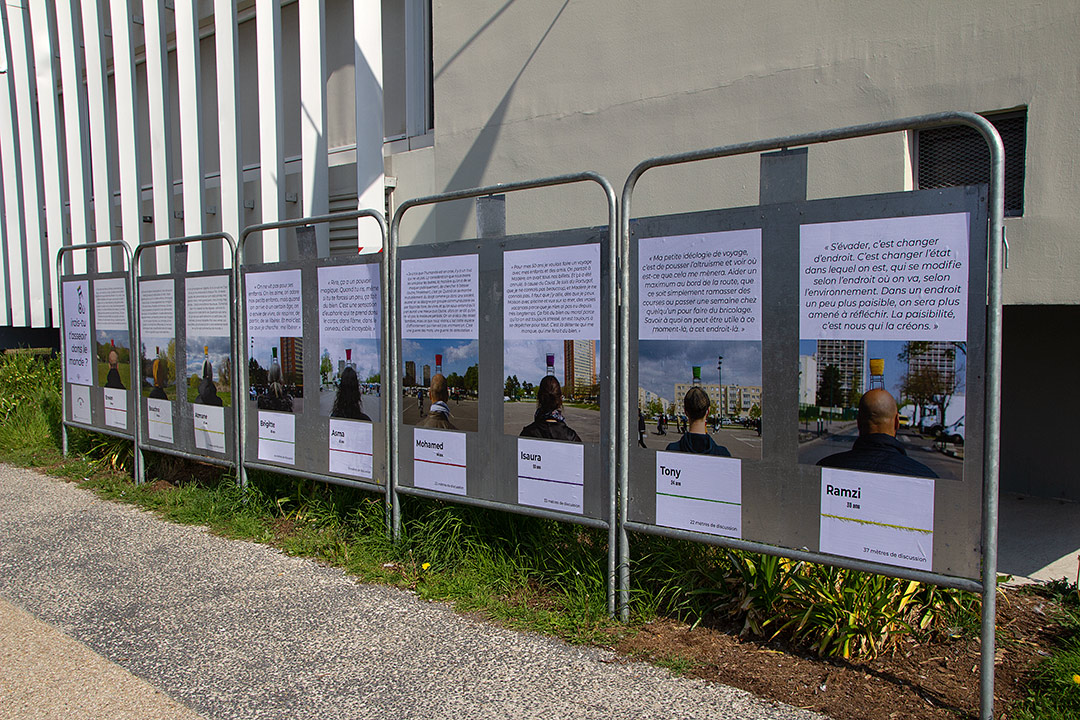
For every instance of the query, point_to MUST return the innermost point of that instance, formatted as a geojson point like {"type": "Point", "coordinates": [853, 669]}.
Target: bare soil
{"type": "Point", "coordinates": [925, 681]}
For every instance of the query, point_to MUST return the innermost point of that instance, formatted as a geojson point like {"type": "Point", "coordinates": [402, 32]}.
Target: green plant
{"type": "Point", "coordinates": [112, 453]}
{"type": "Point", "coordinates": [760, 589]}
{"type": "Point", "coordinates": [30, 406]}
{"type": "Point", "coordinates": [839, 613]}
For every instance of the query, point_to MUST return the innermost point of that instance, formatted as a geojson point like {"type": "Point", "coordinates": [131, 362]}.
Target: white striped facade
{"type": "Point", "coordinates": [139, 120]}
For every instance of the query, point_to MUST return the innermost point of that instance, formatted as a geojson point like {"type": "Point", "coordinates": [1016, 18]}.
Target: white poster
{"type": "Point", "coordinates": [349, 302]}
{"type": "Point", "coordinates": [157, 308]}
{"type": "Point", "coordinates": [209, 427]}
{"type": "Point", "coordinates": [885, 279]}
{"type": "Point", "coordinates": [700, 493]}
{"type": "Point", "coordinates": [439, 460]}
{"type": "Point", "coordinates": [700, 287]}
{"type": "Point", "coordinates": [277, 437]}
{"type": "Point", "coordinates": [80, 404]}
{"type": "Point", "coordinates": [881, 518]}
{"type": "Point", "coordinates": [78, 357]}
{"type": "Point", "coordinates": [159, 420]}
{"type": "Point", "coordinates": [550, 475]}
{"type": "Point", "coordinates": [440, 297]}
{"type": "Point", "coordinates": [351, 448]}
{"type": "Point", "coordinates": [206, 306]}
{"type": "Point", "coordinates": [110, 304]}
{"type": "Point", "coordinates": [274, 307]}
{"type": "Point", "coordinates": [116, 408]}
{"type": "Point", "coordinates": [552, 293]}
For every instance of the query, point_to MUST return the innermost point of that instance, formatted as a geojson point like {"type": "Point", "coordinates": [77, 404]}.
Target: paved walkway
{"type": "Point", "coordinates": [108, 612]}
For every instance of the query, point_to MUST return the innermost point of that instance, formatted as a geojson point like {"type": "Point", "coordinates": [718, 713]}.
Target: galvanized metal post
{"type": "Point", "coordinates": [392, 349]}
{"type": "Point", "coordinates": [991, 448]}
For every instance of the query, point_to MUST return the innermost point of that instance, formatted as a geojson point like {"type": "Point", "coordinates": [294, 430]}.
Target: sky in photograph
{"type": "Point", "coordinates": [365, 355]}
{"type": "Point", "coordinates": [662, 363]}
{"type": "Point", "coordinates": [528, 360]}
{"type": "Point", "coordinates": [458, 355]}
{"type": "Point", "coordinates": [219, 351]}
{"type": "Point", "coordinates": [117, 337]}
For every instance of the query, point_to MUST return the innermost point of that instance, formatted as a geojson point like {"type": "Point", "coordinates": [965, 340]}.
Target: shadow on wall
{"type": "Point", "coordinates": [471, 170]}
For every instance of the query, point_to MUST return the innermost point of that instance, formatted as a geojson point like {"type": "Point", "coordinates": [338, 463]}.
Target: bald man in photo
{"type": "Point", "coordinates": [877, 449]}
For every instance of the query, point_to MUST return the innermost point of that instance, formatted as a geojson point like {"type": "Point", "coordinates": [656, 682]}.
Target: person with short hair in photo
{"type": "Point", "coordinates": [113, 380]}
{"type": "Point", "coordinates": [207, 389]}
{"type": "Point", "coordinates": [438, 411]}
{"type": "Point", "coordinates": [160, 372]}
{"type": "Point", "coordinates": [697, 439]}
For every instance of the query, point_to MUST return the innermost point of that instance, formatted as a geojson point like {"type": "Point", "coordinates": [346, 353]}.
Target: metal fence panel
{"type": "Point", "coordinates": [94, 304]}
{"type": "Point", "coordinates": [309, 427]}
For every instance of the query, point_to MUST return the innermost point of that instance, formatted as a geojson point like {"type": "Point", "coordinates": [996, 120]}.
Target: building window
{"type": "Point", "coordinates": [958, 155]}
{"type": "Point", "coordinates": [408, 107]}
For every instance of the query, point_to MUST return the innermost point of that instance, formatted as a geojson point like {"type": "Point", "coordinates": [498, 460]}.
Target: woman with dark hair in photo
{"type": "Point", "coordinates": [207, 389]}
{"type": "Point", "coordinates": [548, 423]}
{"type": "Point", "coordinates": [348, 403]}
{"type": "Point", "coordinates": [697, 438]}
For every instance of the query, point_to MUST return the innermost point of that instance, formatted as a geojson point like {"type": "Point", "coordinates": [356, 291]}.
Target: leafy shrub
{"type": "Point", "coordinates": [833, 611]}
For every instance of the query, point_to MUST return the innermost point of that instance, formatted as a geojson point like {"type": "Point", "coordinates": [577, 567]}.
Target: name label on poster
{"type": "Point", "coordinates": [551, 475]}
{"type": "Point", "coordinates": [116, 414]}
{"type": "Point", "coordinates": [439, 460]}
{"type": "Point", "coordinates": [887, 519]}
{"type": "Point", "coordinates": [209, 428]}
{"type": "Point", "coordinates": [702, 493]}
{"type": "Point", "coordinates": [277, 437]}
{"type": "Point", "coordinates": [351, 448]}
{"type": "Point", "coordinates": [159, 420]}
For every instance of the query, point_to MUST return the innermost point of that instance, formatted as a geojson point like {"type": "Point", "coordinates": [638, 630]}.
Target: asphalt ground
{"type": "Point", "coordinates": [233, 629]}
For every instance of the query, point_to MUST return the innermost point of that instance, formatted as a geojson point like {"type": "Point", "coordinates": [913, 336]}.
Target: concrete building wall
{"type": "Point", "coordinates": [532, 89]}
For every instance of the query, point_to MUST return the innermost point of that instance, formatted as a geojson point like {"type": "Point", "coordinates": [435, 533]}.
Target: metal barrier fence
{"type": "Point", "coordinates": [615, 438]}
{"type": "Point", "coordinates": [495, 455]}
{"type": "Point", "coordinates": [143, 437]}
{"type": "Point", "coordinates": [67, 400]}
{"type": "Point", "coordinates": [312, 264]}
{"type": "Point", "coordinates": [988, 583]}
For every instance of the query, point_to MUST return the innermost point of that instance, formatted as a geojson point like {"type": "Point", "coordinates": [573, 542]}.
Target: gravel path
{"type": "Point", "coordinates": [238, 630]}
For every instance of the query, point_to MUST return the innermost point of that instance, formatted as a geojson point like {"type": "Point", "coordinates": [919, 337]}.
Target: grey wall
{"type": "Point", "coordinates": [532, 89]}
